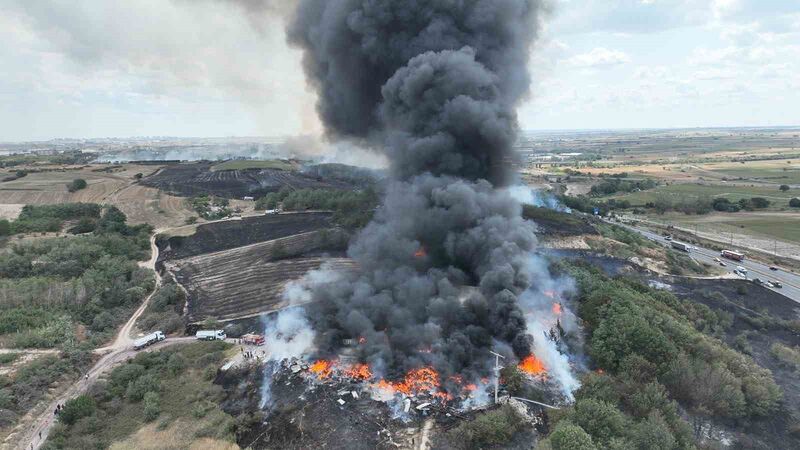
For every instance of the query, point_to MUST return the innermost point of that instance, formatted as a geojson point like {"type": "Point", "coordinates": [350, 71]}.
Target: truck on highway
{"type": "Point", "coordinates": [681, 246]}
{"type": "Point", "coordinates": [148, 340]}
{"type": "Point", "coordinates": [211, 335]}
{"type": "Point", "coordinates": [730, 254]}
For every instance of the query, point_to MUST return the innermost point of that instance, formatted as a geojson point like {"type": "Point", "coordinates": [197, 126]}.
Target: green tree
{"type": "Point", "coordinates": [568, 436]}
{"type": "Point", "coordinates": [513, 379]}
{"type": "Point", "coordinates": [795, 202]}
{"type": "Point", "coordinates": [176, 364]}
{"type": "Point", "coordinates": [600, 419]}
{"type": "Point", "coordinates": [653, 434]}
{"type": "Point", "coordinates": [5, 227]}
{"type": "Point", "coordinates": [784, 187]}
{"type": "Point", "coordinates": [79, 407]}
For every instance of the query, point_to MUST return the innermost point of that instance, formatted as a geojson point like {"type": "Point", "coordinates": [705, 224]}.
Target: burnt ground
{"type": "Point", "coordinates": [759, 314]}
{"type": "Point", "coordinates": [306, 414]}
{"type": "Point", "coordinates": [303, 417]}
{"type": "Point", "coordinates": [556, 223]}
{"type": "Point", "coordinates": [198, 179]}
{"type": "Point", "coordinates": [217, 236]}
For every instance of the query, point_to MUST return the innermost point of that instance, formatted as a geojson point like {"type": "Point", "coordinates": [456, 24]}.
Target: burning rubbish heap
{"type": "Point", "coordinates": [435, 86]}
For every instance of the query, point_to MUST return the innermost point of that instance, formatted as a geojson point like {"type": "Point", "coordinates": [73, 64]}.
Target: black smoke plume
{"type": "Point", "coordinates": [435, 84]}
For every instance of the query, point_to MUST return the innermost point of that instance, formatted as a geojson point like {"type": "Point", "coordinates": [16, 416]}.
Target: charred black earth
{"type": "Point", "coordinates": [198, 179]}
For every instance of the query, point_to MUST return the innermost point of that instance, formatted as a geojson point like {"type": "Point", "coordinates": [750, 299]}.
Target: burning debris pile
{"type": "Point", "coordinates": [448, 272]}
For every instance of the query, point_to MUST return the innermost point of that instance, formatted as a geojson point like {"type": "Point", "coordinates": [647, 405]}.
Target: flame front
{"type": "Point", "coordinates": [532, 366]}
{"type": "Point", "coordinates": [421, 253]}
{"type": "Point", "coordinates": [322, 368]}
{"type": "Point", "coordinates": [358, 372]}
{"type": "Point", "coordinates": [557, 308]}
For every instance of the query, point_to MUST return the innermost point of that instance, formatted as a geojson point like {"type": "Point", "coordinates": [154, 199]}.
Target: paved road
{"type": "Point", "coordinates": [790, 281]}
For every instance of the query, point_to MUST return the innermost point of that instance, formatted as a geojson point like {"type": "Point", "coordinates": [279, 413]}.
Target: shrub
{"type": "Point", "coordinates": [77, 185]}
{"type": "Point", "coordinates": [493, 428]}
{"type": "Point", "coordinates": [152, 406]}
{"type": "Point", "coordinates": [80, 406]}
{"type": "Point", "coordinates": [568, 436]}
{"type": "Point", "coordinates": [788, 356]}
{"type": "Point", "coordinates": [795, 202]}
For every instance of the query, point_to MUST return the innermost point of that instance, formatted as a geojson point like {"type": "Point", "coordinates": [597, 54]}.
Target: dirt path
{"type": "Point", "coordinates": [120, 350]}
{"type": "Point", "coordinates": [33, 429]}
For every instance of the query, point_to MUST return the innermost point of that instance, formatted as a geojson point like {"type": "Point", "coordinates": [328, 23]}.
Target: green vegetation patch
{"type": "Point", "coordinates": [211, 207]}
{"type": "Point", "coordinates": [492, 429]}
{"type": "Point", "coordinates": [651, 357]}
{"type": "Point", "coordinates": [352, 209]}
{"type": "Point", "coordinates": [52, 288]}
{"type": "Point", "coordinates": [32, 381]}
{"type": "Point", "coordinates": [50, 218]}
{"type": "Point", "coordinates": [175, 384]}
{"type": "Point", "coordinates": [165, 310]}
{"type": "Point", "coordinates": [244, 164]}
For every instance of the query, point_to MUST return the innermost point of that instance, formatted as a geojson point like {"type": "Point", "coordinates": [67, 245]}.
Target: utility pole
{"type": "Point", "coordinates": [497, 368]}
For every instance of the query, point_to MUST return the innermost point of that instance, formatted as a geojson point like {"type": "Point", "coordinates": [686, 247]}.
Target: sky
{"type": "Point", "coordinates": [208, 68]}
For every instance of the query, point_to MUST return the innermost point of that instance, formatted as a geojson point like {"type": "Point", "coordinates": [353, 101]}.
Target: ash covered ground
{"type": "Point", "coordinates": [198, 179]}
{"type": "Point", "coordinates": [305, 412]}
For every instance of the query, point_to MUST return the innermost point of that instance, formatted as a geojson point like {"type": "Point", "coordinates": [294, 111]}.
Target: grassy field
{"type": "Point", "coordinates": [255, 164]}
{"type": "Point", "coordinates": [781, 226]}
{"type": "Point", "coordinates": [733, 193]}
{"type": "Point", "coordinates": [772, 173]}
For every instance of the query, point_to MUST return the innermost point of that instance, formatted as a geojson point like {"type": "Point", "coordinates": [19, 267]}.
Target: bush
{"type": "Point", "coordinates": [5, 227]}
{"type": "Point", "coordinates": [80, 406]}
{"type": "Point", "coordinates": [152, 406]}
{"type": "Point", "coordinates": [493, 428]}
{"type": "Point", "coordinates": [77, 185]}
{"type": "Point", "coordinates": [795, 202]}
{"type": "Point", "coordinates": [568, 436]}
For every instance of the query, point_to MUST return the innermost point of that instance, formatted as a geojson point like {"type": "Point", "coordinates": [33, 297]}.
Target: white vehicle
{"type": "Point", "coordinates": [148, 340]}
{"type": "Point", "coordinates": [211, 335]}
{"type": "Point", "coordinates": [741, 269]}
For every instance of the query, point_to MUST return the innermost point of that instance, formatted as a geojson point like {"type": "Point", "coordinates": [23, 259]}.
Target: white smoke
{"type": "Point", "coordinates": [541, 317]}
{"type": "Point", "coordinates": [287, 334]}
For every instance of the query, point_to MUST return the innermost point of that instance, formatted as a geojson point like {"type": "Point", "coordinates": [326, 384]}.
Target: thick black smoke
{"type": "Point", "coordinates": [435, 83]}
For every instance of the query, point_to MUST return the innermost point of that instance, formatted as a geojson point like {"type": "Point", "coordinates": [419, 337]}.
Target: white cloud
{"type": "Point", "coordinates": [598, 57]}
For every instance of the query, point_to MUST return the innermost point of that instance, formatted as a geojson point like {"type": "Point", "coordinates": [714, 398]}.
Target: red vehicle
{"type": "Point", "coordinates": [253, 339]}
{"type": "Point", "coordinates": [732, 255]}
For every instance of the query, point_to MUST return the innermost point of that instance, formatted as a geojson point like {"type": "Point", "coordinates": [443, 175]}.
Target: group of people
{"type": "Point", "coordinates": [250, 354]}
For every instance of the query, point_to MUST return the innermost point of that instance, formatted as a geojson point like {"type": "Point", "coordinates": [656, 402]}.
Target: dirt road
{"type": "Point", "coordinates": [28, 436]}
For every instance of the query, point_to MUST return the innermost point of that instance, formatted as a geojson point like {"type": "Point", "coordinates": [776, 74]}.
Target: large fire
{"type": "Point", "coordinates": [557, 308]}
{"type": "Point", "coordinates": [322, 368]}
{"type": "Point", "coordinates": [416, 381]}
{"type": "Point", "coordinates": [532, 366]}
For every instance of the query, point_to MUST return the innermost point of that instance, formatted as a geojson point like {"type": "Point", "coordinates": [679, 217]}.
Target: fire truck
{"type": "Point", "coordinates": [253, 339]}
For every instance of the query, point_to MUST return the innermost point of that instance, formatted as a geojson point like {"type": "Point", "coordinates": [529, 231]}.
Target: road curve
{"type": "Point", "coordinates": [119, 351]}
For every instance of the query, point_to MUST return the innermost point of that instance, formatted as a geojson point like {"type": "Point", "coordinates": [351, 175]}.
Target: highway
{"type": "Point", "coordinates": [789, 280]}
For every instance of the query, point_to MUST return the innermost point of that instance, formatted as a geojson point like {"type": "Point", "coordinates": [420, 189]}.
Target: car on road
{"type": "Point", "coordinates": [758, 281]}
{"type": "Point", "coordinates": [717, 260]}
{"type": "Point", "coordinates": [773, 268]}
{"type": "Point", "coordinates": [741, 269]}
{"type": "Point", "coordinates": [776, 284]}
{"type": "Point", "coordinates": [667, 238]}
{"type": "Point", "coordinates": [723, 264]}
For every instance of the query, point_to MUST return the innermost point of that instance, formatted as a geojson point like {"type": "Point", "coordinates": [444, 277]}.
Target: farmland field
{"type": "Point", "coordinates": [243, 164]}
{"type": "Point", "coordinates": [249, 280]}
{"type": "Point", "coordinates": [734, 193]}
{"type": "Point", "coordinates": [770, 225]}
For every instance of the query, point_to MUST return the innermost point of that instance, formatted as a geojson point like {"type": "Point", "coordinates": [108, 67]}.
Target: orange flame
{"type": "Point", "coordinates": [557, 308]}
{"type": "Point", "coordinates": [362, 340]}
{"type": "Point", "coordinates": [358, 372]}
{"type": "Point", "coordinates": [323, 368]}
{"type": "Point", "coordinates": [532, 366]}
{"type": "Point", "coordinates": [421, 253]}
